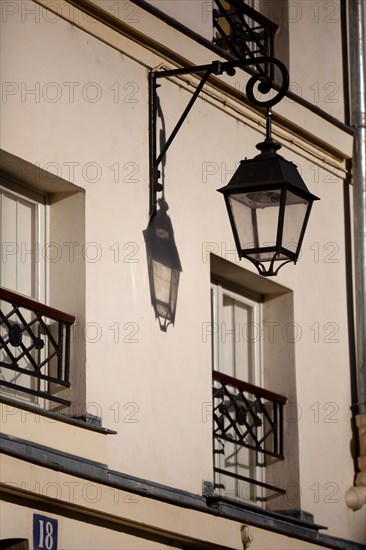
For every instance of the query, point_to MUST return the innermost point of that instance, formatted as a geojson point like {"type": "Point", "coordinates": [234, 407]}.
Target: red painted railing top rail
{"type": "Point", "coordinates": [250, 388]}
{"type": "Point", "coordinates": [20, 300]}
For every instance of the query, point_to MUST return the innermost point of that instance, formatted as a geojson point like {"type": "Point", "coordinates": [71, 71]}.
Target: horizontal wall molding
{"type": "Point", "coordinates": [74, 465]}
{"type": "Point", "coordinates": [56, 416]}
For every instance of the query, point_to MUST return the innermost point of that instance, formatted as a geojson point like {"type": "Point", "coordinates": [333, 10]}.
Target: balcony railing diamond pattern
{"type": "Point", "coordinates": [34, 346]}
{"type": "Point", "coordinates": [247, 416]}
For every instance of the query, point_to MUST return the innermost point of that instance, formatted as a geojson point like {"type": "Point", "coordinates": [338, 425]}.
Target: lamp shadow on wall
{"type": "Point", "coordinates": [163, 260]}
{"type": "Point", "coordinates": [163, 265]}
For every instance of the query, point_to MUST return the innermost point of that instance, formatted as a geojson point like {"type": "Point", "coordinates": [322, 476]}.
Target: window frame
{"type": "Point", "coordinates": [219, 289]}
{"type": "Point", "coordinates": [39, 201]}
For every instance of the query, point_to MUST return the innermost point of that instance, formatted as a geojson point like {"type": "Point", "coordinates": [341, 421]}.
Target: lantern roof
{"type": "Point", "coordinates": [267, 170]}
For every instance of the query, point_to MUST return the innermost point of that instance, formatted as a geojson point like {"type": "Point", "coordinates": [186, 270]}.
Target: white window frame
{"type": "Point", "coordinates": [39, 201]}
{"type": "Point", "coordinates": [38, 292]}
{"type": "Point", "coordinates": [218, 291]}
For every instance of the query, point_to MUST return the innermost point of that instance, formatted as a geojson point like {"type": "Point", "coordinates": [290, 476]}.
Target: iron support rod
{"type": "Point", "coordinates": [186, 70]}
{"type": "Point", "coordinates": [269, 123]}
{"type": "Point", "coordinates": [182, 118]}
{"type": "Point", "coordinates": [152, 142]}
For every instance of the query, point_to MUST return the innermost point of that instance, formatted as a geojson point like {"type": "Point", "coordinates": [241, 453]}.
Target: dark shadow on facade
{"type": "Point", "coordinates": [164, 266]}
{"type": "Point", "coordinates": [14, 544]}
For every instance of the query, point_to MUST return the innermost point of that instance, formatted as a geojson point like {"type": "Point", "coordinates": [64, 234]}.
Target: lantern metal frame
{"type": "Point", "coordinates": [262, 80]}
{"type": "Point", "coordinates": [273, 174]}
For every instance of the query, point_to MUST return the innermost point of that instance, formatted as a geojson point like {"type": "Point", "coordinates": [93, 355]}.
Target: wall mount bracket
{"type": "Point", "coordinates": [260, 78]}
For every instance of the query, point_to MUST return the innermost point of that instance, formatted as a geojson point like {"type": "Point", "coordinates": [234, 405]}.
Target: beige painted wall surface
{"type": "Point", "coordinates": [316, 54]}
{"type": "Point", "coordinates": [108, 518]}
{"type": "Point", "coordinates": [315, 42]}
{"type": "Point", "coordinates": [124, 510]}
{"type": "Point", "coordinates": [313, 28]}
{"type": "Point", "coordinates": [17, 522]}
{"type": "Point", "coordinates": [76, 535]}
{"type": "Point", "coordinates": [194, 14]}
{"type": "Point", "coordinates": [43, 430]}
{"type": "Point", "coordinates": [148, 385]}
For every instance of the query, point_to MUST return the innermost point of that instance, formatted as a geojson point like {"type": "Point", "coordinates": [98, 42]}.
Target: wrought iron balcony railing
{"type": "Point", "coordinates": [242, 31]}
{"type": "Point", "coordinates": [249, 417]}
{"type": "Point", "coordinates": [34, 347]}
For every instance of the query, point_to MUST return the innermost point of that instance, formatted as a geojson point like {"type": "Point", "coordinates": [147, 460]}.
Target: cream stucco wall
{"type": "Point", "coordinates": [314, 41]}
{"type": "Point", "coordinates": [93, 516]}
{"type": "Point", "coordinates": [87, 120]}
{"type": "Point", "coordinates": [316, 54]}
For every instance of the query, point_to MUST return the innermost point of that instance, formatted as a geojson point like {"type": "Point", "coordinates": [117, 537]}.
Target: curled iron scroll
{"type": "Point", "coordinates": [265, 83]}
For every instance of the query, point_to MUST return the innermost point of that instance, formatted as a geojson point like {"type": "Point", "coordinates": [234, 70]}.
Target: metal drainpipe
{"type": "Point", "coordinates": [356, 496]}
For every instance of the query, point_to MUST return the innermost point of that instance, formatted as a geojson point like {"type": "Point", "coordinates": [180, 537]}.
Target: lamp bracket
{"type": "Point", "coordinates": [261, 77]}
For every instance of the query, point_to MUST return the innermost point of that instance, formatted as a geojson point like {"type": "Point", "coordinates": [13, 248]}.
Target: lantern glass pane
{"type": "Point", "coordinates": [295, 212]}
{"type": "Point", "coordinates": [256, 219]}
{"type": "Point", "coordinates": [162, 277]}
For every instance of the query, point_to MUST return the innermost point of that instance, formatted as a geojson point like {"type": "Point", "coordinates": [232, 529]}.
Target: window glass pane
{"type": "Point", "coordinates": [8, 270]}
{"type": "Point", "coordinates": [26, 248]}
{"type": "Point", "coordinates": [235, 344]}
{"type": "Point", "coordinates": [19, 261]}
{"type": "Point", "coordinates": [256, 218]}
{"type": "Point", "coordinates": [19, 272]}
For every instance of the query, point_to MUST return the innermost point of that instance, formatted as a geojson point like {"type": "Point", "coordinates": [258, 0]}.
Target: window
{"type": "Point", "coordinates": [236, 353]}
{"type": "Point", "coordinates": [236, 348]}
{"type": "Point", "coordinates": [42, 229]}
{"type": "Point", "coordinates": [255, 455]}
{"type": "Point", "coordinates": [22, 230]}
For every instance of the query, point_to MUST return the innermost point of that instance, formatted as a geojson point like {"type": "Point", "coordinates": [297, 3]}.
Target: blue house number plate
{"type": "Point", "coordinates": [45, 531]}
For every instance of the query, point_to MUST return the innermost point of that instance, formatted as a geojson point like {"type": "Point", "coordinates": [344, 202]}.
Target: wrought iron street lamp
{"type": "Point", "coordinates": [269, 206]}
{"type": "Point", "coordinates": [267, 200]}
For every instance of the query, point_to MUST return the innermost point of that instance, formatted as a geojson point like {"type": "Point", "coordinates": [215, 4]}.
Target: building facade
{"type": "Point", "coordinates": [157, 392]}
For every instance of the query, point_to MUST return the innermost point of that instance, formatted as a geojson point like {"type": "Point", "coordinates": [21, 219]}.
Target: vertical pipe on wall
{"type": "Point", "coordinates": [356, 496]}
{"type": "Point", "coordinates": [357, 15]}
